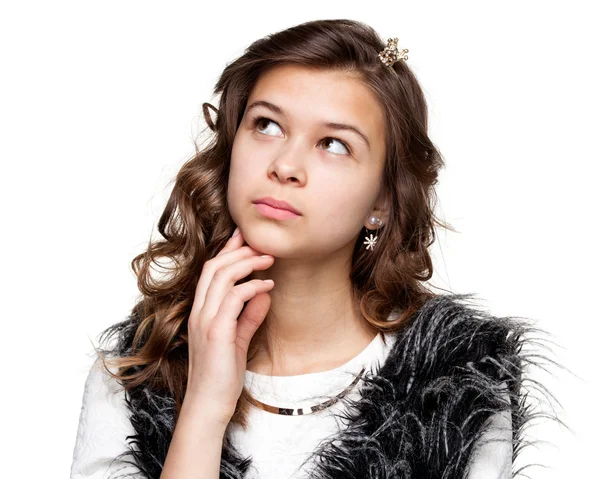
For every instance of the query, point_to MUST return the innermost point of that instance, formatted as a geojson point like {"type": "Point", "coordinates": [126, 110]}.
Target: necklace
{"type": "Point", "coordinates": [305, 410]}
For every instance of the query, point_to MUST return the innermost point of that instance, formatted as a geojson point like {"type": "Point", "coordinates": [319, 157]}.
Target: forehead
{"type": "Point", "coordinates": [307, 94]}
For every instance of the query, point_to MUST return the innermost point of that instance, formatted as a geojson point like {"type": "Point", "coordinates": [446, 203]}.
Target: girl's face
{"type": "Point", "coordinates": [283, 149]}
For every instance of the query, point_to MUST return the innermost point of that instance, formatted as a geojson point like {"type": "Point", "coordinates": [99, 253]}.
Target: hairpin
{"type": "Point", "coordinates": [390, 54]}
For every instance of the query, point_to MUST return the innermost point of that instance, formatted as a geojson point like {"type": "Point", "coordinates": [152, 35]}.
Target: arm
{"type": "Point", "coordinates": [493, 460]}
{"type": "Point", "coordinates": [195, 450]}
{"type": "Point", "coordinates": [104, 425]}
{"type": "Point", "coordinates": [102, 430]}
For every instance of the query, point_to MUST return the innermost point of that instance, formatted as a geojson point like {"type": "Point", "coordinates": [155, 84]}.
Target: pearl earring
{"type": "Point", "coordinates": [371, 241]}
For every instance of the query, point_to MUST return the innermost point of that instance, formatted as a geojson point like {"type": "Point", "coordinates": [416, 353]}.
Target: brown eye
{"type": "Point", "coordinates": [262, 121]}
{"type": "Point", "coordinates": [330, 140]}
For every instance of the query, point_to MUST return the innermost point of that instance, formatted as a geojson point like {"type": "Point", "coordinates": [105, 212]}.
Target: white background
{"type": "Point", "coordinates": [100, 103]}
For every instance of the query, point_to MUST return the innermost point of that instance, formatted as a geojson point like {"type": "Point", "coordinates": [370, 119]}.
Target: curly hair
{"type": "Point", "coordinates": [196, 223]}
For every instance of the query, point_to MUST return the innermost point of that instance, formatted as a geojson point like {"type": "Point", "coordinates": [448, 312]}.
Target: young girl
{"type": "Point", "coordinates": [293, 335]}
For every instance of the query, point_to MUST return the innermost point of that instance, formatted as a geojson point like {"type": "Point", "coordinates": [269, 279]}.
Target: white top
{"type": "Point", "coordinates": [278, 444]}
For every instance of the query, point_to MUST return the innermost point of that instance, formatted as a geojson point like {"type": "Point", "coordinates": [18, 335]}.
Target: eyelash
{"type": "Point", "coordinates": [257, 119]}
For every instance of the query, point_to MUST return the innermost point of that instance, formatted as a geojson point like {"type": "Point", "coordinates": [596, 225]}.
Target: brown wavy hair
{"type": "Point", "coordinates": [196, 224]}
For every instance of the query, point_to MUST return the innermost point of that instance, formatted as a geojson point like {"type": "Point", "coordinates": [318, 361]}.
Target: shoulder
{"type": "Point", "coordinates": [460, 311]}
{"type": "Point", "coordinates": [469, 367]}
{"type": "Point", "coordinates": [103, 389]}
{"type": "Point", "coordinates": [452, 346]}
{"type": "Point", "coordinates": [456, 327]}
{"type": "Point", "coordinates": [103, 425]}
{"type": "Point", "coordinates": [103, 402]}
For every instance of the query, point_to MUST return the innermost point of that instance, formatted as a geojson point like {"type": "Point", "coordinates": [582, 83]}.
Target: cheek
{"type": "Point", "coordinates": [244, 176]}
{"type": "Point", "coordinates": [240, 166]}
{"type": "Point", "coordinates": [244, 161]}
{"type": "Point", "coordinates": [233, 183]}
{"type": "Point", "coordinates": [338, 205]}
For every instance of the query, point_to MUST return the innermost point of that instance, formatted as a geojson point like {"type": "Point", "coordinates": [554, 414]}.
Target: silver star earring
{"type": "Point", "coordinates": [371, 240]}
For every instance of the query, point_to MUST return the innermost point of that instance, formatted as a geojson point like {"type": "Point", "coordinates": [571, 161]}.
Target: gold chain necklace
{"type": "Point", "coordinates": [305, 410]}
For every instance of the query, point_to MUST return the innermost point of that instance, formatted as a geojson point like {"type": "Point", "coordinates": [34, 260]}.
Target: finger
{"type": "Point", "coordinates": [234, 242]}
{"type": "Point", "coordinates": [224, 280]}
{"type": "Point", "coordinates": [251, 318]}
{"type": "Point", "coordinates": [209, 269]}
{"type": "Point", "coordinates": [225, 325]}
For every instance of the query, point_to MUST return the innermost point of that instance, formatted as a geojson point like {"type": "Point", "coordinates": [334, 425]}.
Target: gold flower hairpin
{"type": "Point", "coordinates": [390, 54]}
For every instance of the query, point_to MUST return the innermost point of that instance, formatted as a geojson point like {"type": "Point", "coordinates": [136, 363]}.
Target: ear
{"type": "Point", "coordinates": [380, 209]}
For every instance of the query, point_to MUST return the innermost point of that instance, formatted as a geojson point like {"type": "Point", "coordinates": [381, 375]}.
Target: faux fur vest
{"type": "Point", "coordinates": [419, 416]}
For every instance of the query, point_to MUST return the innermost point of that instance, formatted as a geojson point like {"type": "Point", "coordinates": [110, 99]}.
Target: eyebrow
{"type": "Point", "coordinates": [329, 124]}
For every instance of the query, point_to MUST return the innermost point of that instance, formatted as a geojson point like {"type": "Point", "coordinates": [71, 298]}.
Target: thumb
{"type": "Point", "coordinates": [251, 318]}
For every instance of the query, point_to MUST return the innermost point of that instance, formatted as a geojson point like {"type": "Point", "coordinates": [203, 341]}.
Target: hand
{"type": "Point", "coordinates": [218, 335]}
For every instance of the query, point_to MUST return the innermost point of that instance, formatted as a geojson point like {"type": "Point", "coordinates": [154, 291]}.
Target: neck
{"type": "Point", "coordinates": [313, 324]}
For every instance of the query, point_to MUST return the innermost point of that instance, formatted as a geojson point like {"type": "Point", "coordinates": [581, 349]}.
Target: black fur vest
{"type": "Point", "coordinates": [427, 405]}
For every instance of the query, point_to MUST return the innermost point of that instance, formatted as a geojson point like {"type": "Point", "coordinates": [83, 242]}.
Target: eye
{"type": "Point", "coordinates": [329, 139]}
{"type": "Point", "coordinates": [263, 120]}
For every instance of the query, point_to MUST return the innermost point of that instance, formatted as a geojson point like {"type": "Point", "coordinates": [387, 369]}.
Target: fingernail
{"type": "Point", "coordinates": [236, 232]}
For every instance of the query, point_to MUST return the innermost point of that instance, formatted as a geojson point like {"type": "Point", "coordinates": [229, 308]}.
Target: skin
{"type": "Point", "coordinates": [335, 187]}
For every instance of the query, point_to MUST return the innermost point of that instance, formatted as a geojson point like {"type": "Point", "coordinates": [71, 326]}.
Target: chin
{"type": "Point", "coordinates": [261, 242]}
{"type": "Point", "coordinates": [266, 242]}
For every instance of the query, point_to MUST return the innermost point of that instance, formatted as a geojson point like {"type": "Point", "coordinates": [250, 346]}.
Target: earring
{"type": "Point", "coordinates": [371, 241]}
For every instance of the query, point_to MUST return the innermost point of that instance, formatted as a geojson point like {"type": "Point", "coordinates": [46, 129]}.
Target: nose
{"type": "Point", "coordinates": [289, 166]}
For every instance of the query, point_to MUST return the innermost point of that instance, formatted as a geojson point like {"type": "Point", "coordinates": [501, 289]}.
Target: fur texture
{"type": "Point", "coordinates": [420, 416]}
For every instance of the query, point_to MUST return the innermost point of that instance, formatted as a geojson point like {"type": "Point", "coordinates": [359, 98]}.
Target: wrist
{"type": "Point", "coordinates": [206, 410]}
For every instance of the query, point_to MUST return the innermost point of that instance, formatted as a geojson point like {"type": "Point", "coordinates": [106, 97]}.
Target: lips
{"type": "Point", "coordinates": [280, 204]}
